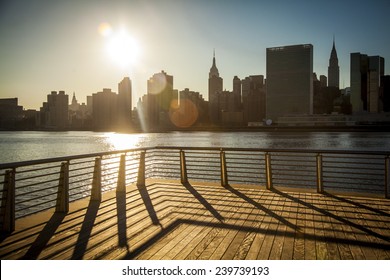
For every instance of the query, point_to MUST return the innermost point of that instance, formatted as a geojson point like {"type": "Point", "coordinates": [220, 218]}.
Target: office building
{"type": "Point", "coordinates": [104, 109]}
{"type": "Point", "coordinates": [160, 97]}
{"type": "Point", "coordinates": [54, 114]}
{"type": "Point", "coordinates": [366, 73]}
{"type": "Point", "coordinates": [333, 68]}
{"type": "Point", "coordinates": [215, 87]}
{"type": "Point", "coordinates": [253, 98]}
{"type": "Point", "coordinates": [10, 113]}
{"type": "Point", "coordinates": [289, 81]}
{"type": "Point", "coordinates": [124, 102]}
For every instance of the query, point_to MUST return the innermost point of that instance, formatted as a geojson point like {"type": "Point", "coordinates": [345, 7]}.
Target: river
{"type": "Point", "coordinates": [30, 145]}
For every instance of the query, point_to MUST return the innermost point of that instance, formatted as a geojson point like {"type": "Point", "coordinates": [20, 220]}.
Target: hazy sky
{"type": "Point", "coordinates": [64, 45]}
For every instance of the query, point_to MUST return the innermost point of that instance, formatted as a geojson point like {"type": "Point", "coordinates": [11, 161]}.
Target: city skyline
{"type": "Point", "coordinates": [71, 46]}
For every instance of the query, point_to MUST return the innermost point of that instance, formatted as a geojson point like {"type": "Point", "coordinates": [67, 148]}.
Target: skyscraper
{"type": "Point", "coordinates": [366, 72]}
{"type": "Point", "coordinates": [124, 102]}
{"type": "Point", "coordinates": [333, 68]}
{"type": "Point", "coordinates": [215, 87]}
{"type": "Point", "coordinates": [160, 96]}
{"type": "Point", "coordinates": [289, 80]}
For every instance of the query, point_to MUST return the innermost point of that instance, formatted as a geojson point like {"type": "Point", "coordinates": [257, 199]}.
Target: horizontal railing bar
{"type": "Point", "coordinates": [36, 184]}
{"type": "Point", "coordinates": [38, 169]}
{"type": "Point", "coordinates": [66, 158]}
{"type": "Point", "coordinates": [36, 176]}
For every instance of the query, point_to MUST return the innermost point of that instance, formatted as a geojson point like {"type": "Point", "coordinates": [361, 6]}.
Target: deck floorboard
{"type": "Point", "coordinates": [169, 220]}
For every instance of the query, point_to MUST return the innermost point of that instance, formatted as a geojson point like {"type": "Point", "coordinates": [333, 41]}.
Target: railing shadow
{"type": "Point", "coordinates": [86, 230]}
{"type": "Point", "coordinates": [44, 236]}
{"type": "Point", "coordinates": [249, 229]}
{"type": "Point", "coordinates": [121, 217]}
{"type": "Point", "coordinates": [203, 201]}
{"type": "Point", "coordinates": [363, 206]}
{"type": "Point", "coordinates": [262, 208]}
{"type": "Point", "coordinates": [149, 205]}
{"type": "Point", "coordinates": [331, 215]}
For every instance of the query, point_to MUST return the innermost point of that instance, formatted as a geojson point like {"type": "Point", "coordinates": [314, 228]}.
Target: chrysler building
{"type": "Point", "coordinates": [333, 69]}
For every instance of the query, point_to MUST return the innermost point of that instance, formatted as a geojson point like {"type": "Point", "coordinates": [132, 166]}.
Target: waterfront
{"type": "Point", "coordinates": [30, 145]}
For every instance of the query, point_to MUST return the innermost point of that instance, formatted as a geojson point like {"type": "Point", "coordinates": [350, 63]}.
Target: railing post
{"type": "Point", "coordinates": [320, 186]}
{"type": "Point", "coordinates": [387, 177]}
{"type": "Point", "coordinates": [62, 204]}
{"type": "Point", "coordinates": [141, 170]}
{"type": "Point", "coordinates": [224, 175]}
{"type": "Point", "coordinates": [121, 184]}
{"type": "Point", "coordinates": [8, 202]}
{"type": "Point", "coordinates": [96, 191]}
{"type": "Point", "coordinates": [268, 171]}
{"type": "Point", "coordinates": [183, 168]}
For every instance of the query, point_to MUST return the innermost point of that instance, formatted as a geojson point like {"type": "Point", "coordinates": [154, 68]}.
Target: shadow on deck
{"type": "Point", "coordinates": [169, 220]}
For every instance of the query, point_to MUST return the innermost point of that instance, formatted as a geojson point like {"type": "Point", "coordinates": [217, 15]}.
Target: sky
{"type": "Point", "coordinates": [75, 45]}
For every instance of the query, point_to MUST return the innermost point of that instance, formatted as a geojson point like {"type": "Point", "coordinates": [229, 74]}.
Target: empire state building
{"type": "Point", "coordinates": [215, 87]}
{"type": "Point", "coordinates": [333, 69]}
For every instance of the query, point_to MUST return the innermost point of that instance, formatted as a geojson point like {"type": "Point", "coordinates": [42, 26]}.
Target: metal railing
{"type": "Point", "coordinates": [32, 186]}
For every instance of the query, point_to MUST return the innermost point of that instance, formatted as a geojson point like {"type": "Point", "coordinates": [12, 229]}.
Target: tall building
{"type": "Point", "coordinates": [366, 72]}
{"type": "Point", "coordinates": [215, 87]}
{"type": "Point", "coordinates": [253, 98]}
{"type": "Point", "coordinates": [333, 68]}
{"type": "Point", "coordinates": [160, 97]}
{"type": "Point", "coordinates": [54, 113]}
{"type": "Point", "coordinates": [124, 102]}
{"type": "Point", "coordinates": [10, 112]}
{"type": "Point", "coordinates": [104, 109]}
{"type": "Point", "coordinates": [385, 92]}
{"type": "Point", "coordinates": [289, 80]}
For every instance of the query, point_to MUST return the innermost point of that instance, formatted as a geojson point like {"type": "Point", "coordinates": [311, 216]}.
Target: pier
{"type": "Point", "coordinates": [198, 203]}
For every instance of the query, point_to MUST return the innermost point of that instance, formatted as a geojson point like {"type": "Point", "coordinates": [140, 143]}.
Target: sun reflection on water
{"type": "Point", "coordinates": [119, 141]}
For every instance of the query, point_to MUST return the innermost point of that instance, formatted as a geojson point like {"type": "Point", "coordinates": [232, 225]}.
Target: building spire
{"type": "Point", "coordinates": [214, 70]}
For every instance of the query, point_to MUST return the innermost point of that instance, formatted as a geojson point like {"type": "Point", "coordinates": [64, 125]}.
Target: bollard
{"type": "Point", "coordinates": [141, 170]}
{"type": "Point", "coordinates": [268, 171]}
{"type": "Point", "coordinates": [387, 177]}
{"type": "Point", "coordinates": [121, 184]}
{"type": "Point", "coordinates": [224, 175]}
{"type": "Point", "coordinates": [62, 205]}
{"type": "Point", "coordinates": [183, 168]}
{"type": "Point", "coordinates": [320, 186]}
{"type": "Point", "coordinates": [96, 191]}
{"type": "Point", "coordinates": [8, 202]}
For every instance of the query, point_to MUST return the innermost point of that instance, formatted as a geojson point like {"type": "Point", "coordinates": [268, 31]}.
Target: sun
{"type": "Point", "coordinates": [122, 48]}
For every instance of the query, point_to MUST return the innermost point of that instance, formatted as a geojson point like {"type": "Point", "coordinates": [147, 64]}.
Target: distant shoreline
{"type": "Point", "coordinates": [272, 128]}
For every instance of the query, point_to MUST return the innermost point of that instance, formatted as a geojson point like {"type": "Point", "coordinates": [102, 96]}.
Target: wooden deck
{"type": "Point", "coordinates": [168, 220]}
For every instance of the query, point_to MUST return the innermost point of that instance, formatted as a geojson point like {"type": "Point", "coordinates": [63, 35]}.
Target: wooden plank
{"type": "Point", "coordinates": [258, 238]}
{"type": "Point", "coordinates": [319, 232]}
{"type": "Point", "coordinates": [337, 228]}
{"type": "Point", "coordinates": [212, 233]}
{"type": "Point", "coordinates": [310, 244]}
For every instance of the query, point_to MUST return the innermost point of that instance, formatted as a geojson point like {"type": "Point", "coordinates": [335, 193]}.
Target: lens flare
{"type": "Point", "coordinates": [157, 84]}
{"type": "Point", "coordinates": [183, 114]}
{"type": "Point", "coordinates": [105, 29]}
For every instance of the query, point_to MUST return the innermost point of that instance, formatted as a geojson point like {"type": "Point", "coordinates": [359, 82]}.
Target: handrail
{"type": "Point", "coordinates": [70, 179]}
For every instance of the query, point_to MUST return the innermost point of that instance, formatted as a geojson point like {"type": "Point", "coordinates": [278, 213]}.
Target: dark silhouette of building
{"type": "Point", "coordinates": [289, 80]}
{"type": "Point", "coordinates": [366, 73]}
{"type": "Point", "coordinates": [253, 98]}
{"type": "Point", "coordinates": [193, 107]}
{"type": "Point", "coordinates": [79, 116]}
{"type": "Point", "coordinates": [385, 92]}
{"type": "Point", "coordinates": [104, 110]}
{"type": "Point", "coordinates": [333, 68]}
{"type": "Point", "coordinates": [11, 114]}
{"type": "Point", "coordinates": [124, 103]}
{"type": "Point", "coordinates": [215, 87]}
{"type": "Point", "coordinates": [54, 114]}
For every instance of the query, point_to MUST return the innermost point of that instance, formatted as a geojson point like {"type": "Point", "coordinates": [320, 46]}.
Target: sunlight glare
{"type": "Point", "coordinates": [122, 48]}
{"type": "Point", "coordinates": [119, 141]}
